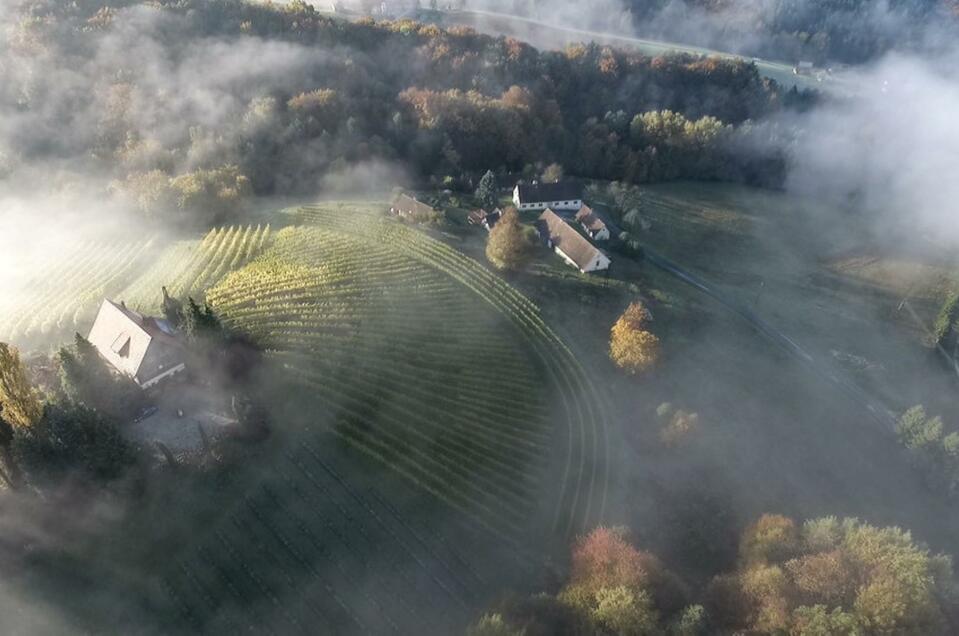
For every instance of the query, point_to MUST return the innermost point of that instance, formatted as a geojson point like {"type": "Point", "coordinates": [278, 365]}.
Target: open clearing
{"type": "Point", "coordinates": [790, 262]}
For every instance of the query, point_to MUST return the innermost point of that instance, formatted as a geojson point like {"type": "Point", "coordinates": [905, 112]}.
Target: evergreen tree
{"type": "Point", "coordinates": [200, 322]}
{"type": "Point", "coordinates": [172, 308]}
{"type": "Point", "coordinates": [486, 191]}
{"type": "Point", "coordinates": [86, 379]}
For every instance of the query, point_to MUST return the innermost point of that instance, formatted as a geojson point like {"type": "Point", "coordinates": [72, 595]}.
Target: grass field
{"type": "Point", "coordinates": [824, 277]}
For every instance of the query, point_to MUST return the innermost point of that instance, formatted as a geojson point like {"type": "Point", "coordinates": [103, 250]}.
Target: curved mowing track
{"type": "Point", "coordinates": [312, 291]}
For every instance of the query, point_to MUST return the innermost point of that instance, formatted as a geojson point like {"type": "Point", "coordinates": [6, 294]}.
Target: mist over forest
{"type": "Point", "coordinates": [403, 408]}
{"type": "Point", "coordinates": [790, 30]}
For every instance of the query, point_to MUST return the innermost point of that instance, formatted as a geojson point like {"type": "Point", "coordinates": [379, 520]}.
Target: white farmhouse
{"type": "Point", "coordinates": [572, 246]}
{"type": "Point", "coordinates": [559, 197]}
{"type": "Point", "coordinates": [144, 348]}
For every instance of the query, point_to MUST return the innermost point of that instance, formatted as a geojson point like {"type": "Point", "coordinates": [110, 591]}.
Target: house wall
{"type": "Point", "coordinates": [563, 256]}
{"type": "Point", "coordinates": [602, 235]}
{"type": "Point", "coordinates": [555, 206]}
{"type": "Point", "coordinates": [166, 374]}
{"type": "Point", "coordinates": [600, 263]}
{"type": "Point", "coordinates": [538, 206]}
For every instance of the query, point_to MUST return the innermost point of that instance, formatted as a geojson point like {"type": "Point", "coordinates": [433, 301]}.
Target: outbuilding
{"type": "Point", "coordinates": [594, 226]}
{"type": "Point", "coordinates": [572, 246]}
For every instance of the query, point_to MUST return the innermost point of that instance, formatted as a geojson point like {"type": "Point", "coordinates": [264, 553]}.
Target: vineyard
{"type": "Point", "coordinates": [415, 362]}
{"type": "Point", "coordinates": [433, 365]}
{"type": "Point", "coordinates": [64, 293]}
{"type": "Point", "coordinates": [429, 367]}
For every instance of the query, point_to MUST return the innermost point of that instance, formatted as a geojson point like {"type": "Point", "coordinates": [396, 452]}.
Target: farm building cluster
{"type": "Point", "coordinates": [562, 208]}
{"type": "Point", "coordinates": [559, 200]}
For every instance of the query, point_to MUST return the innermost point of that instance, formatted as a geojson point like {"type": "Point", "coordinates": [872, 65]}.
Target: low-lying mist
{"type": "Point", "coordinates": [890, 147]}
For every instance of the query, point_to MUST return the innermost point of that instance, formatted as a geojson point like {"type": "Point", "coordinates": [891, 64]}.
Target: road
{"type": "Point", "coordinates": [779, 71]}
{"type": "Point", "coordinates": [877, 412]}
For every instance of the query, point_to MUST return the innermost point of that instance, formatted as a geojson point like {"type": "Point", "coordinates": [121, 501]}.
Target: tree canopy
{"type": "Point", "coordinates": [18, 399]}
{"type": "Point", "coordinates": [511, 245]}
{"type": "Point", "coordinates": [632, 347]}
{"type": "Point", "coordinates": [833, 576]}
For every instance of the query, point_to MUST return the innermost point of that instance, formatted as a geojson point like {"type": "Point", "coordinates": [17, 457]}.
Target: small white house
{"type": "Point", "coordinates": [144, 348]}
{"type": "Point", "coordinates": [559, 197]}
{"type": "Point", "coordinates": [572, 246]}
{"type": "Point", "coordinates": [594, 226]}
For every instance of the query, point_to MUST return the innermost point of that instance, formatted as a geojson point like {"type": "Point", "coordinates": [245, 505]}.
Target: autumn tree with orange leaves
{"type": "Point", "coordinates": [632, 347]}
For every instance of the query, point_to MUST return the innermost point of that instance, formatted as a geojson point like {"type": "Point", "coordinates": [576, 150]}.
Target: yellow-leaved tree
{"type": "Point", "coordinates": [18, 400]}
{"type": "Point", "coordinates": [511, 245]}
{"type": "Point", "coordinates": [632, 347]}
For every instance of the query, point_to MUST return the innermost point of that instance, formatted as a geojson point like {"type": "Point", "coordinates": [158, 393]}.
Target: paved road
{"type": "Point", "coordinates": [877, 412]}
{"type": "Point", "coordinates": [779, 71]}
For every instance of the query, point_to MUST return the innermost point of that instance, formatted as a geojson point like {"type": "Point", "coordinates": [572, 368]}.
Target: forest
{"type": "Point", "coordinates": [826, 32]}
{"type": "Point", "coordinates": [823, 31]}
{"type": "Point", "coordinates": [294, 96]}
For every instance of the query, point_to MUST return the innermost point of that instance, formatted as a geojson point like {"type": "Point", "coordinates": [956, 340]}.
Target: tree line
{"type": "Point", "coordinates": [824, 576]}
{"type": "Point", "coordinates": [451, 103]}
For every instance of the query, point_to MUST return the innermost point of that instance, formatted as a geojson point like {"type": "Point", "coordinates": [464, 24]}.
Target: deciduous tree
{"type": "Point", "coordinates": [18, 399]}
{"type": "Point", "coordinates": [632, 347]}
{"type": "Point", "coordinates": [511, 246]}
{"type": "Point", "coordinates": [553, 173]}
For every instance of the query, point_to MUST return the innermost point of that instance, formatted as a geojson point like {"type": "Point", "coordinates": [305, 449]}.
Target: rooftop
{"type": "Point", "coordinates": [564, 237]}
{"type": "Point", "coordinates": [590, 219]}
{"type": "Point", "coordinates": [545, 192]}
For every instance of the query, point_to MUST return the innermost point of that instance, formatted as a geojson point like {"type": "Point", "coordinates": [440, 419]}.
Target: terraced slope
{"type": "Point", "coordinates": [187, 268]}
{"type": "Point", "coordinates": [66, 288]}
{"type": "Point", "coordinates": [61, 296]}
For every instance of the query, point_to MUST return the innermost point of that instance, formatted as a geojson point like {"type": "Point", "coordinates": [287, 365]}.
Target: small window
{"type": "Point", "coordinates": [121, 346]}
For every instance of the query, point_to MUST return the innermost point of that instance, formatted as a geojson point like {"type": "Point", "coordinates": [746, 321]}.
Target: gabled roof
{"type": "Point", "coordinates": [123, 336]}
{"type": "Point", "coordinates": [548, 192]}
{"type": "Point", "coordinates": [565, 238]}
{"type": "Point", "coordinates": [480, 216]}
{"type": "Point", "coordinates": [405, 204]}
{"type": "Point", "coordinates": [476, 216]}
{"type": "Point", "coordinates": [589, 219]}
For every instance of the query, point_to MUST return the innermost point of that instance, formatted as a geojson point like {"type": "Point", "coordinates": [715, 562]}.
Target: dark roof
{"type": "Point", "coordinates": [590, 219]}
{"type": "Point", "coordinates": [548, 192]}
{"type": "Point", "coordinates": [563, 236]}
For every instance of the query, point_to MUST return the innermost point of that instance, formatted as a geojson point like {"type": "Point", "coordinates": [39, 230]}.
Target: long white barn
{"type": "Point", "coordinates": [559, 197]}
{"type": "Point", "coordinates": [572, 246]}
